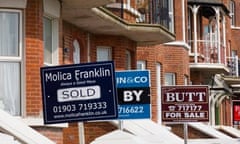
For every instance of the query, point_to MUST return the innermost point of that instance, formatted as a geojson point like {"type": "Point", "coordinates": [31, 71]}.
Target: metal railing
{"type": "Point", "coordinates": [233, 65]}
{"type": "Point", "coordinates": [147, 12]}
{"type": "Point", "coordinates": [207, 52]}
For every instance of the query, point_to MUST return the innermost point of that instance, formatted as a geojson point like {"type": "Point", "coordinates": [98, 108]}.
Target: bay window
{"type": "Point", "coordinates": [10, 61]}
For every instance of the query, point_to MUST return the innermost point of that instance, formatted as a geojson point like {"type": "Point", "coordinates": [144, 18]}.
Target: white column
{"type": "Point", "coordinates": [218, 34]}
{"type": "Point", "coordinates": [224, 39]}
{"type": "Point", "coordinates": [195, 10]}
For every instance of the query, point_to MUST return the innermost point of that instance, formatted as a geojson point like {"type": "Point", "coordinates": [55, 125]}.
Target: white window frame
{"type": "Point", "coordinates": [171, 15]}
{"type": "Point", "coordinates": [185, 80]}
{"type": "Point", "coordinates": [76, 52]}
{"type": "Point", "coordinates": [128, 60]}
{"type": "Point", "coordinates": [232, 12]}
{"type": "Point", "coordinates": [141, 64]}
{"type": "Point", "coordinates": [18, 59]}
{"type": "Point", "coordinates": [55, 41]}
{"type": "Point", "coordinates": [107, 52]}
{"type": "Point", "coordinates": [172, 77]}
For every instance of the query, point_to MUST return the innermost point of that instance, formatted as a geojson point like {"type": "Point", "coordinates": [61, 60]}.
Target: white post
{"type": "Point", "coordinates": [185, 133]}
{"type": "Point", "coordinates": [195, 9]}
{"type": "Point", "coordinates": [218, 34]}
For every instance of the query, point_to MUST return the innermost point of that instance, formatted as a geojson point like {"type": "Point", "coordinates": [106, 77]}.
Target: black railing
{"type": "Point", "coordinates": [146, 11]}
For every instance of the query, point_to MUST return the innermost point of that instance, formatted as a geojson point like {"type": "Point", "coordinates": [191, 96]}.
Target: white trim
{"type": "Point", "coordinates": [208, 66]}
{"type": "Point", "coordinates": [55, 41]}
{"type": "Point", "coordinates": [108, 54]}
{"type": "Point", "coordinates": [128, 60]}
{"type": "Point", "coordinates": [52, 8]}
{"type": "Point", "coordinates": [235, 27]}
{"type": "Point", "coordinates": [13, 3]}
{"type": "Point", "coordinates": [179, 43]}
{"type": "Point", "coordinates": [20, 58]}
{"type": "Point", "coordinates": [142, 64]}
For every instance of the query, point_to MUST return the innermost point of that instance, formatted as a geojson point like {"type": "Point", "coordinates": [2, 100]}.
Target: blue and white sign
{"type": "Point", "coordinates": [79, 92]}
{"type": "Point", "coordinates": [133, 88]}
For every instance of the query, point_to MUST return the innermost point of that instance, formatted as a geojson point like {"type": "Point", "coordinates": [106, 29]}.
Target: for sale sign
{"type": "Point", "coordinates": [185, 103]}
{"type": "Point", "coordinates": [79, 92]}
{"type": "Point", "coordinates": [236, 112]}
{"type": "Point", "coordinates": [133, 88]}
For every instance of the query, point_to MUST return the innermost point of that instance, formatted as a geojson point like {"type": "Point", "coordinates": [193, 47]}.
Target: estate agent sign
{"type": "Point", "coordinates": [133, 88]}
{"type": "Point", "coordinates": [79, 92]}
{"type": "Point", "coordinates": [236, 112]}
{"type": "Point", "coordinates": [185, 103]}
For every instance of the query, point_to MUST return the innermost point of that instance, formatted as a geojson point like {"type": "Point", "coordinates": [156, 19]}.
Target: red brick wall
{"type": "Point", "coordinates": [119, 46]}
{"type": "Point", "coordinates": [176, 60]}
{"type": "Point", "coordinates": [95, 129]}
{"type": "Point", "coordinates": [54, 134]}
{"type": "Point", "coordinates": [178, 19]}
{"type": "Point", "coordinates": [71, 33]}
{"type": "Point", "coordinates": [152, 55]}
{"type": "Point", "coordinates": [34, 60]}
{"type": "Point", "coordinates": [34, 56]}
{"type": "Point", "coordinates": [173, 59]}
{"type": "Point", "coordinates": [70, 134]}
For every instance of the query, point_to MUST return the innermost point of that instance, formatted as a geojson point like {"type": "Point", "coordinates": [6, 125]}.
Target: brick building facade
{"type": "Point", "coordinates": [133, 34]}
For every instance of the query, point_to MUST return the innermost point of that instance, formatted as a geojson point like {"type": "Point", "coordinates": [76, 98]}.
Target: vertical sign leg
{"type": "Point", "coordinates": [185, 133]}
{"type": "Point", "coordinates": [120, 124]}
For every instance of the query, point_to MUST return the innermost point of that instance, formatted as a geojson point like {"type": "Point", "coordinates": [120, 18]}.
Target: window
{"type": "Point", "coordinates": [141, 65]}
{"type": "Point", "coordinates": [169, 79]}
{"type": "Point", "coordinates": [11, 61]}
{"type": "Point", "coordinates": [50, 38]}
{"type": "Point", "coordinates": [104, 53]}
{"type": "Point", "coordinates": [171, 16]}
{"type": "Point", "coordinates": [76, 52]}
{"type": "Point", "coordinates": [232, 12]}
{"type": "Point", "coordinates": [128, 60]}
{"type": "Point", "coordinates": [163, 13]}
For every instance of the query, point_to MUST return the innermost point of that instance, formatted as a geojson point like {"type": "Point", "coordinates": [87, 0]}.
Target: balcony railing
{"type": "Point", "coordinates": [233, 64]}
{"type": "Point", "coordinates": [147, 12]}
{"type": "Point", "coordinates": [207, 52]}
